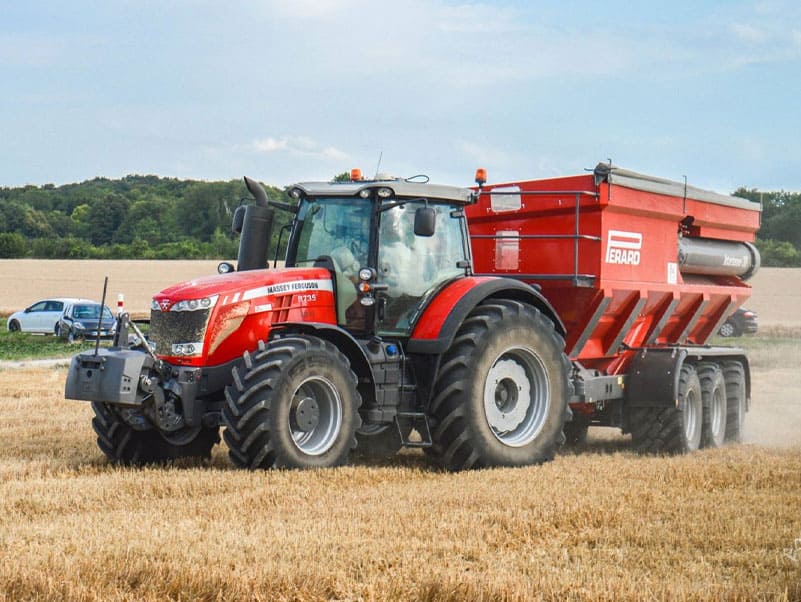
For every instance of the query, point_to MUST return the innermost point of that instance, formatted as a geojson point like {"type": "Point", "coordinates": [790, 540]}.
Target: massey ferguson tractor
{"type": "Point", "coordinates": [485, 325]}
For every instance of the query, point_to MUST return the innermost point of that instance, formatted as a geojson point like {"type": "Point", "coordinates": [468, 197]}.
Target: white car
{"type": "Point", "coordinates": [40, 317]}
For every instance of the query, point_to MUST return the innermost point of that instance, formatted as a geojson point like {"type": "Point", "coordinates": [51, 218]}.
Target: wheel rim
{"type": "Point", "coordinates": [315, 416]}
{"type": "Point", "coordinates": [718, 410]}
{"type": "Point", "coordinates": [726, 330]}
{"type": "Point", "coordinates": [517, 396]}
{"type": "Point", "coordinates": [691, 415]}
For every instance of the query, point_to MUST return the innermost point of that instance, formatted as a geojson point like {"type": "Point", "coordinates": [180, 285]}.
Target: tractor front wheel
{"type": "Point", "coordinates": [126, 444]}
{"type": "Point", "coordinates": [294, 404]}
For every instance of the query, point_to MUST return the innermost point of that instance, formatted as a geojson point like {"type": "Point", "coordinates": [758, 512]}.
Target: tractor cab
{"type": "Point", "coordinates": [389, 244]}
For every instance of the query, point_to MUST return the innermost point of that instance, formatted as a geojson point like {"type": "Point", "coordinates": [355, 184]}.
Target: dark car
{"type": "Point", "coordinates": [742, 321]}
{"type": "Point", "coordinates": [80, 321]}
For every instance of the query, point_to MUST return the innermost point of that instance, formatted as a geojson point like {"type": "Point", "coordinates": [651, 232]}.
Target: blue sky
{"type": "Point", "coordinates": [300, 90]}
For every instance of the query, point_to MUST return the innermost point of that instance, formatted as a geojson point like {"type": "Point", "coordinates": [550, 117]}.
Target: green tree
{"type": "Point", "coordinates": [104, 217]}
{"type": "Point", "coordinates": [13, 245]}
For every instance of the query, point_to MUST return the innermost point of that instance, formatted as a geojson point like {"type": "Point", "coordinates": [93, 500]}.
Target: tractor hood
{"type": "Point", "coordinates": [225, 289]}
{"type": "Point", "coordinates": [212, 320]}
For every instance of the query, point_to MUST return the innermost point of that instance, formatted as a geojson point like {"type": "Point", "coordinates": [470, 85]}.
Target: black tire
{"type": "Point", "coordinates": [734, 377]}
{"type": "Point", "coordinates": [500, 398]}
{"type": "Point", "coordinates": [713, 395]}
{"type": "Point", "coordinates": [379, 441]}
{"type": "Point", "coordinates": [674, 430]}
{"type": "Point", "coordinates": [294, 404]}
{"type": "Point", "coordinates": [13, 326]}
{"type": "Point", "coordinates": [576, 431]}
{"type": "Point", "coordinates": [129, 446]}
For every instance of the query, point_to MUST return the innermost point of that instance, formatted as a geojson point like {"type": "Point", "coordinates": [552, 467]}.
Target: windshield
{"type": "Point", "coordinates": [90, 312]}
{"type": "Point", "coordinates": [338, 228]}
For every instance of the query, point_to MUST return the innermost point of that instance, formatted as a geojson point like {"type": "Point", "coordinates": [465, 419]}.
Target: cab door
{"type": "Point", "coordinates": [413, 266]}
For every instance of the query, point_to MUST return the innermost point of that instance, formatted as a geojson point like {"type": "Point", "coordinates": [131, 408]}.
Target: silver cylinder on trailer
{"type": "Point", "coordinates": [712, 257]}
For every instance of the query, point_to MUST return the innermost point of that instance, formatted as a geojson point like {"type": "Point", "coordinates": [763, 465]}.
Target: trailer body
{"type": "Point", "coordinates": [631, 263]}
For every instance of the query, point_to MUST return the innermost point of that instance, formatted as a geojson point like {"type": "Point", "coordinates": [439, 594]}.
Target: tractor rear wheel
{"type": "Point", "coordinates": [713, 395]}
{"type": "Point", "coordinates": [734, 377]}
{"type": "Point", "coordinates": [500, 398]}
{"type": "Point", "coordinates": [125, 444]}
{"type": "Point", "coordinates": [294, 404]}
{"type": "Point", "coordinates": [671, 429]}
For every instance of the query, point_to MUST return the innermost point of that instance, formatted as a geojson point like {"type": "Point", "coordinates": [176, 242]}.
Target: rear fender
{"type": "Point", "coordinates": [436, 328]}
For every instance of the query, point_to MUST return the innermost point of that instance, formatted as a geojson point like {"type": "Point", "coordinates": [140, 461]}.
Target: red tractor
{"type": "Point", "coordinates": [564, 303]}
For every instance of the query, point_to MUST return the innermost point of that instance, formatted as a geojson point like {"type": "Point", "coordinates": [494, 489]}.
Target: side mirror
{"type": "Point", "coordinates": [239, 219]}
{"type": "Point", "coordinates": [425, 221]}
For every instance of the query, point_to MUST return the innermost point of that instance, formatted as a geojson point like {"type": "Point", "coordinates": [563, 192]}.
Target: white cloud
{"type": "Point", "coordinates": [298, 146]}
{"type": "Point", "coordinates": [269, 145]}
{"type": "Point", "coordinates": [748, 33]}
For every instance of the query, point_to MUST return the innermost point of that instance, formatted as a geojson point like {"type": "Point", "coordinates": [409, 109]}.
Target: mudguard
{"type": "Point", "coordinates": [435, 329]}
{"type": "Point", "coordinates": [653, 376]}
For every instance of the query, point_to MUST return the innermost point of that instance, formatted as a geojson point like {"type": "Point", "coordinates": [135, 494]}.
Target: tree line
{"type": "Point", "coordinates": [135, 217]}
{"type": "Point", "coordinates": [150, 217]}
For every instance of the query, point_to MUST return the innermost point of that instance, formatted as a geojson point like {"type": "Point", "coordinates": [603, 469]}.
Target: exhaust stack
{"type": "Point", "coordinates": [254, 223]}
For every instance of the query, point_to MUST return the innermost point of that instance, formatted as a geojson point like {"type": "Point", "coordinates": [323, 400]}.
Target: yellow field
{"type": "Point", "coordinates": [597, 523]}
{"type": "Point", "coordinates": [27, 280]}
{"type": "Point", "coordinates": [601, 524]}
{"type": "Point", "coordinates": [776, 291]}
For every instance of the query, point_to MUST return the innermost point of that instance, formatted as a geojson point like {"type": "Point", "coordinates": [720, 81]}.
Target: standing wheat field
{"type": "Point", "coordinates": [599, 522]}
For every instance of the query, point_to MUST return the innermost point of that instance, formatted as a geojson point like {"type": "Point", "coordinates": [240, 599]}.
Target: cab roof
{"type": "Point", "coordinates": [400, 188]}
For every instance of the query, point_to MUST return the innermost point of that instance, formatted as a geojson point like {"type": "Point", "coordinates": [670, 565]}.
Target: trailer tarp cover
{"type": "Point", "coordinates": [631, 179]}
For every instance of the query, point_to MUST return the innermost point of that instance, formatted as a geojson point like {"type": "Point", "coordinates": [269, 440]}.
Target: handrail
{"type": "Point", "coordinates": [577, 278]}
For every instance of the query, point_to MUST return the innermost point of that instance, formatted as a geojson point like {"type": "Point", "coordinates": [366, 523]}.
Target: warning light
{"type": "Point", "coordinates": [481, 176]}
{"type": "Point", "coordinates": [355, 174]}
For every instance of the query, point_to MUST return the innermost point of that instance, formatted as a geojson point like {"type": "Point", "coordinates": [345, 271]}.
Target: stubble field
{"type": "Point", "coordinates": [596, 523]}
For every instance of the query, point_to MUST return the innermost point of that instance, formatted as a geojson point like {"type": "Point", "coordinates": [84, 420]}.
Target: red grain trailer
{"type": "Point", "coordinates": [642, 271]}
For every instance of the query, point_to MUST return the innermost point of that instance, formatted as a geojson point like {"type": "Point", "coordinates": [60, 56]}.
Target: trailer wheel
{"type": "Point", "coordinates": [671, 429]}
{"type": "Point", "coordinates": [294, 404]}
{"type": "Point", "coordinates": [713, 395]}
{"type": "Point", "coordinates": [125, 444]}
{"type": "Point", "coordinates": [734, 377]}
{"type": "Point", "coordinates": [501, 395]}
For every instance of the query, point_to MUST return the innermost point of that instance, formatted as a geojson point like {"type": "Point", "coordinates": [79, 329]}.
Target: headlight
{"type": "Point", "coordinates": [186, 349]}
{"type": "Point", "coordinates": [195, 304]}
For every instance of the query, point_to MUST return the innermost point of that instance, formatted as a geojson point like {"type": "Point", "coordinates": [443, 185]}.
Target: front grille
{"type": "Point", "coordinates": [170, 327]}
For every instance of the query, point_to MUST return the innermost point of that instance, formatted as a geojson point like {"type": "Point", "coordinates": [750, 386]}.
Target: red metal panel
{"type": "Point", "coordinates": [611, 268]}
{"type": "Point", "coordinates": [430, 324]}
